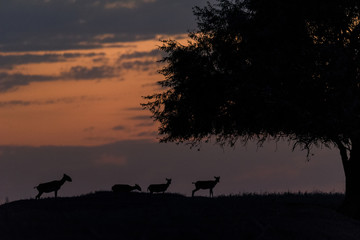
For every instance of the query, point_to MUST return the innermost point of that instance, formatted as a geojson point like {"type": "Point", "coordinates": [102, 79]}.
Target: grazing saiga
{"type": "Point", "coordinates": [124, 188]}
{"type": "Point", "coordinates": [159, 187]}
{"type": "Point", "coordinates": [52, 186]}
{"type": "Point", "coordinates": [205, 185]}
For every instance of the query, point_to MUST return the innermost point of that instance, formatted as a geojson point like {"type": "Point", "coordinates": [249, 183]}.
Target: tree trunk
{"type": "Point", "coordinates": [351, 164]}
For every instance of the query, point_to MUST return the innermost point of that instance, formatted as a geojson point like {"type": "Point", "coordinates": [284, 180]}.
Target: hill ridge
{"type": "Point", "coordinates": [105, 215]}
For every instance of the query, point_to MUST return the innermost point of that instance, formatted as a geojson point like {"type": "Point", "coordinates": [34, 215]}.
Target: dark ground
{"type": "Point", "coordinates": [103, 215]}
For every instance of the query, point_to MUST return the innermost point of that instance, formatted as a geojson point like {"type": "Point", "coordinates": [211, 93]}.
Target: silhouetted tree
{"type": "Point", "coordinates": [259, 69]}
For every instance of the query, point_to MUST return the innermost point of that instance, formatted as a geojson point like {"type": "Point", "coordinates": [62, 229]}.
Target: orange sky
{"type": "Point", "coordinates": [84, 112]}
{"type": "Point", "coordinates": [85, 103]}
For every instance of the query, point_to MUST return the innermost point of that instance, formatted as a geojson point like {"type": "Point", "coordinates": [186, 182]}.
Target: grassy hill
{"type": "Point", "coordinates": [104, 215]}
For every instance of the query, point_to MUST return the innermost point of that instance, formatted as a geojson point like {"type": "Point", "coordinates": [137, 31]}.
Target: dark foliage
{"type": "Point", "coordinates": [259, 69]}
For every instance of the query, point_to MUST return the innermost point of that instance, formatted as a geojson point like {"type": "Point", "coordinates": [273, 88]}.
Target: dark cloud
{"type": "Point", "coordinates": [98, 72]}
{"type": "Point", "coordinates": [67, 100]}
{"type": "Point", "coordinates": [153, 53]}
{"type": "Point", "coordinates": [65, 24]}
{"type": "Point", "coordinates": [144, 162]}
{"type": "Point", "coordinates": [75, 55]}
{"type": "Point", "coordinates": [100, 60]}
{"type": "Point", "coordinates": [115, 45]}
{"type": "Point", "coordinates": [118, 128]}
{"type": "Point", "coordinates": [89, 129]}
{"type": "Point", "coordinates": [16, 103]}
{"type": "Point", "coordinates": [141, 117]}
{"type": "Point", "coordinates": [144, 121]}
{"type": "Point", "coordinates": [139, 65]}
{"type": "Point", "coordinates": [12, 81]}
{"type": "Point", "coordinates": [8, 61]}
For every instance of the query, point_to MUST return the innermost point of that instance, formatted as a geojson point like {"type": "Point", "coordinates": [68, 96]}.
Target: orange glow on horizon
{"type": "Point", "coordinates": [76, 106]}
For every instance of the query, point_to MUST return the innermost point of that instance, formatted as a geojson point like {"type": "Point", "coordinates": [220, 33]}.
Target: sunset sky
{"type": "Point", "coordinates": [72, 77]}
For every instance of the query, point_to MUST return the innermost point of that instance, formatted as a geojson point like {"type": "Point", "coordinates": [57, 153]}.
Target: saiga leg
{"type": "Point", "coordinates": [194, 191]}
{"type": "Point", "coordinates": [38, 196]}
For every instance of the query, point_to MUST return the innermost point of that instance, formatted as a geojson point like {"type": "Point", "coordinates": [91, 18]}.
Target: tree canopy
{"type": "Point", "coordinates": [258, 69]}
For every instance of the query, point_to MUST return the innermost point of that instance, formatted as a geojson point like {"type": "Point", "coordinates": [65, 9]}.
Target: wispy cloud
{"type": "Point", "coordinates": [139, 65]}
{"type": "Point", "coordinates": [89, 129]}
{"type": "Point", "coordinates": [140, 60]}
{"type": "Point", "coordinates": [141, 117]}
{"type": "Point", "coordinates": [13, 81]}
{"type": "Point", "coordinates": [126, 4]}
{"type": "Point", "coordinates": [105, 36]}
{"type": "Point", "coordinates": [67, 100]}
{"type": "Point", "coordinates": [130, 4]}
{"type": "Point", "coordinates": [97, 72]}
{"type": "Point", "coordinates": [148, 134]}
{"type": "Point", "coordinates": [59, 25]}
{"type": "Point", "coordinates": [118, 128]}
{"type": "Point", "coordinates": [153, 53]}
{"type": "Point", "coordinates": [9, 61]}
{"type": "Point", "coordinates": [143, 121]}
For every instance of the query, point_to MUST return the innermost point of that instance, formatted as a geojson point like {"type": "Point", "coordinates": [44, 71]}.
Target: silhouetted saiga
{"type": "Point", "coordinates": [52, 186]}
{"type": "Point", "coordinates": [159, 187]}
{"type": "Point", "coordinates": [206, 185]}
{"type": "Point", "coordinates": [125, 188]}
